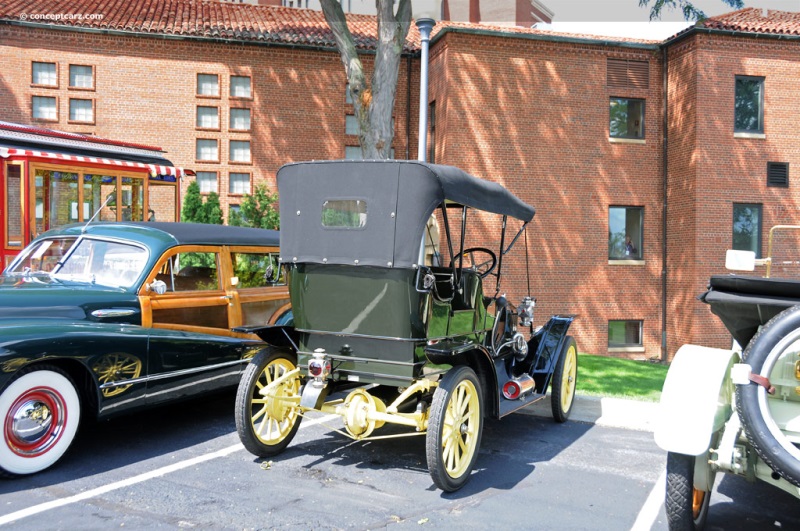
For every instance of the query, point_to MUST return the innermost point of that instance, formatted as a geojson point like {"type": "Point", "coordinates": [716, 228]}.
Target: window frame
{"type": "Point", "coordinates": [230, 88]}
{"type": "Point", "coordinates": [637, 242]}
{"type": "Point", "coordinates": [75, 87]}
{"type": "Point", "coordinates": [249, 119]}
{"type": "Point", "coordinates": [33, 108]}
{"type": "Point", "coordinates": [197, 125]}
{"type": "Point", "coordinates": [762, 86]}
{"type": "Point", "coordinates": [196, 153]}
{"type": "Point", "coordinates": [216, 182]}
{"type": "Point", "coordinates": [43, 85]}
{"type": "Point", "coordinates": [760, 229]}
{"type": "Point", "coordinates": [625, 347]}
{"type": "Point", "coordinates": [209, 96]}
{"type": "Point", "coordinates": [642, 114]}
{"type": "Point", "coordinates": [249, 151]}
{"type": "Point", "coordinates": [233, 193]}
{"type": "Point", "coordinates": [72, 120]}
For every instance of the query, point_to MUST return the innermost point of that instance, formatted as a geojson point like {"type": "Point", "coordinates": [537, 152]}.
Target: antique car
{"type": "Point", "coordinates": [734, 411]}
{"type": "Point", "coordinates": [102, 318]}
{"type": "Point", "coordinates": [390, 329]}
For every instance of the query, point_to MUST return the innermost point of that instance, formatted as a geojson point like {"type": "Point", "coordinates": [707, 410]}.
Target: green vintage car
{"type": "Point", "coordinates": [399, 315]}
{"type": "Point", "coordinates": [104, 318]}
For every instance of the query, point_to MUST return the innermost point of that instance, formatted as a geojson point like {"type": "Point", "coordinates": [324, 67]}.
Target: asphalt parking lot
{"type": "Point", "coordinates": [182, 466]}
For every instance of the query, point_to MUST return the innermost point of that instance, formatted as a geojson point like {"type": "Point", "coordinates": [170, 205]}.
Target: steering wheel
{"type": "Point", "coordinates": [472, 260]}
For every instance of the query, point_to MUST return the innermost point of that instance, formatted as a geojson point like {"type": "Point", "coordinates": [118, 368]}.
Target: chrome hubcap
{"type": "Point", "coordinates": [35, 422]}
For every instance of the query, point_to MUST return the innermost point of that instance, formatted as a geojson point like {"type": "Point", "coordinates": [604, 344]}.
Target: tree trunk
{"type": "Point", "coordinates": [374, 103]}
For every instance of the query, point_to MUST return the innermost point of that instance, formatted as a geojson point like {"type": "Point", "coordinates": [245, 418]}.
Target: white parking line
{"type": "Point", "coordinates": [647, 516]}
{"type": "Point", "coordinates": [42, 507]}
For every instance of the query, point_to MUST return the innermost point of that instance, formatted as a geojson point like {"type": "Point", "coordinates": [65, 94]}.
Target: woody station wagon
{"type": "Point", "coordinates": [102, 318]}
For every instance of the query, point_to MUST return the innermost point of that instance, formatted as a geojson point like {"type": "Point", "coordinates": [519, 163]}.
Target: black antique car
{"type": "Point", "coordinates": [104, 318]}
{"type": "Point", "coordinates": [388, 328]}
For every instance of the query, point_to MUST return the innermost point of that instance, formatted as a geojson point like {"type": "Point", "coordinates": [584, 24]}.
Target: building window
{"type": "Point", "coordinates": [353, 153]}
{"type": "Point", "coordinates": [747, 227]}
{"type": "Point", "coordinates": [239, 183]}
{"type": "Point", "coordinates": [207, 150]}
{"type": "Point", "coordinates": [240, 119]}
{"type": "Point", "coordinates": [350, 125]}
{"type": "Point", "coordinates": [240, 151]}
{"type": "Point", "coordinates": [44, 74]}
{"type": "Point", "coordinates": [81, 110]}
{"type": "Point", "coordinates": [625, 233]}
{"type": "Point", "coordinates": [207, 181]}
{"type": "Point", "coordinates": [81, 77]}
{"type": "Point", "coordinates": [45, 108]}
{"type": "Point", "coordinates": [348, 97]}
{"type": "Point", "coordinates": [626, 118]}
{"type": "Point", "coordinates": [207, 117]}
{"type": "Point", "coordinates": [208, 85]}
{"type": "Point", "coordinates": [240, 87]}
{"type": "Point", "coordinates": [749, 105]}
{"type": "Point", "coordinates": [625, 334]}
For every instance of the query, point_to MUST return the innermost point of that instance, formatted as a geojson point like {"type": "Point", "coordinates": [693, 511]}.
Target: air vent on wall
{"type": "Point", "coordinates": [625, 73]}
{"type": "Point", "coordinates": [778, 174]}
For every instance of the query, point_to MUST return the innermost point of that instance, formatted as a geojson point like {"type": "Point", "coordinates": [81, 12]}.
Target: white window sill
{"type": "Point", "coordinates": [750, 135]}
{"type": "Point", "coordinates": [640, 141]}
{"type": "Point", "coordinates": [626, 349]}
{"type": "Point", "coordinates": [626, 262]}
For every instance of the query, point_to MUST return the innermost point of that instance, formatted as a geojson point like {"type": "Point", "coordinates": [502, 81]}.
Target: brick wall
{"type": "Point", "coordinates": [530, 114]}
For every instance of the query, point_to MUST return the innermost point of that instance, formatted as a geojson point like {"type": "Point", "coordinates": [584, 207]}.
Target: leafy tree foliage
{"type": "Point", "coordinates": [257, 210]}
{"type": "Point", "coordinates": [689, 10]}
{"type": "Point", "coordinates": [195, 210]}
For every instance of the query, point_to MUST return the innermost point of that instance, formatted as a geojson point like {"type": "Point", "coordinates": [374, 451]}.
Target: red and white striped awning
{"type": "Point", "coordinates": [153, 169]}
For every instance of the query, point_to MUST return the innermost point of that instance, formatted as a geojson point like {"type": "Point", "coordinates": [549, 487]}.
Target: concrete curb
{"type": "Point", "coordinates": [604, 411]}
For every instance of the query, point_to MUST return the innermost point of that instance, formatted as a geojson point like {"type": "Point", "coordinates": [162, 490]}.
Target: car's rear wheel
{"type": "Point", "coordinates": [267, 423]}
{"type": "Point", "coordinates": [773, 354]}
{"type": "Point", "coordinates": [686, 506]}
{"type": "Point", "coordinates": [565, 378]}
{"type": "Point", "coordinates": [454, 428]}
{"type": "Point", "coordinates": [41, 412]}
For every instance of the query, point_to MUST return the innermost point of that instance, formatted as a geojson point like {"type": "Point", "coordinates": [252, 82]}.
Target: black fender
{"type": "Point", "coordinates": [476, 356]}
{"type": "Point", "coordinates": [544, 350]}
{"type": "Point", "coordinates": [284, 336]}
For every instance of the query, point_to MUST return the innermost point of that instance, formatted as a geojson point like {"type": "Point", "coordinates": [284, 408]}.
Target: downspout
{"type": "Point", "coordinates": [664, 161]}
{"type": "Point", "coordinates": [408, 107]}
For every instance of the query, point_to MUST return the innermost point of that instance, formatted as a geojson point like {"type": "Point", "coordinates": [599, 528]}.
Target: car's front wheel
{"type": "Point", "coordinates": [41, 411]}
{"type": "Point", "coordinates": [267, 423]}
{"type": "Point", "coordinates": [686, 505]}
{"type": "Point", "coordinates": [565, 378]}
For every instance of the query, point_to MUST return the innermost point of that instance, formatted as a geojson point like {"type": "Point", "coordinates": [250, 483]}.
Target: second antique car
{"type": "Point", "coordinates": [99, 319]}
{"type": "Point", "coordinates": [399, 317]}
{"type": "Point", "coordinates": [735, 411]}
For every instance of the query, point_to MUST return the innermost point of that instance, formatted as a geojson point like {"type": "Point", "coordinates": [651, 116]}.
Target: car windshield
{"type": "Point", "coordinates": [110, 263]}
{"type": "Point", "coordinates": [42, 256]}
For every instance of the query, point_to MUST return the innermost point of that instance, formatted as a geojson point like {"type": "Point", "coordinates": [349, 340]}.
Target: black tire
{"type": "Point", "coordinates": [565, 379]}
{"type": "Point", "coordinates": [686, 506]}
{"type": "Point", "coordinates": [266, 426]}
{"type": "Point", "coordinates": [40, 410]}
{"type": "Point", "coordinates": [773, 343]}
{"type": "Point", "coordinates": [452, 453]}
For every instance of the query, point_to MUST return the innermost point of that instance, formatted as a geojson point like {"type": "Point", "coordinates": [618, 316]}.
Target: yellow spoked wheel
{"type": "Point", "coordinates": [268, 421]}
{"type": "Point", "coordinates": [115, 367]}
{"type": "Point", "coordinates": [454, 429]}
{"type": "Point", "coordinates": [565, 377]}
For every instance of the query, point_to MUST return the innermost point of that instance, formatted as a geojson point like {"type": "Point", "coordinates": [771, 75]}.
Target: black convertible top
{"type": "Point", "coordinates": [400, 196]}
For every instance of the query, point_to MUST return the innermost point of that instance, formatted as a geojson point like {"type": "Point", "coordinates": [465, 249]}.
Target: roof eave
{"type": "Point", "coordinates": [730, 33]}
{"type": "Point", "coordinates": [196, 38]}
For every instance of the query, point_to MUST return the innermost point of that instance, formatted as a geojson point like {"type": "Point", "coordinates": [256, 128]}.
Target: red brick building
{"type": "Point", "coordinates": [684, 146]}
